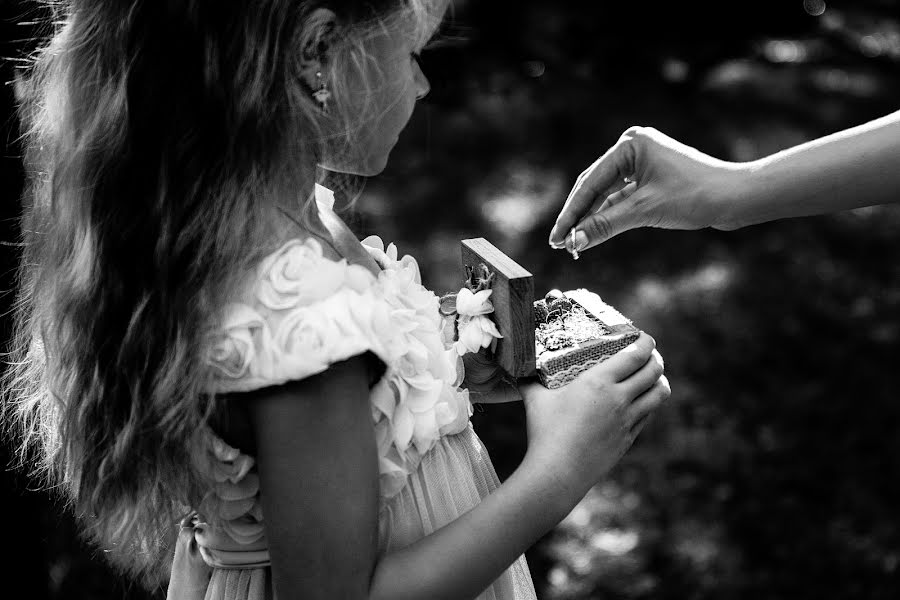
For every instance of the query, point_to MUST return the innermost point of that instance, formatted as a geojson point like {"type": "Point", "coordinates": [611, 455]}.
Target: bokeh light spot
{"type": "Point", "coordinates": [674, 70]}
{"type": "Point", "coordinates": [784, 51]}
{"type": "Point", "coordinates": [870, 46]}
{"type": "Point", "coordinates": [558, 577]}
{"type": "Point", "coordinates": [519, 197]}
{"type": "Point", "coordinates": [815, 8]}
{"type": "Point", "coordinates": [615, 542]}
{"type": "Point", "coordinates": [656, 294]}
{"type": "Point", "coordinates": [535, 68]}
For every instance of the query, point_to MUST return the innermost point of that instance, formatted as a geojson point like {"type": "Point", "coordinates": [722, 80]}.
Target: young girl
{"type": "Point", "coordinates": [231, 390]}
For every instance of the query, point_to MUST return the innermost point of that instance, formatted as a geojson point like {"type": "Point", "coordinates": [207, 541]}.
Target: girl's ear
{"type": "Point", "coordinates": [316, 46]}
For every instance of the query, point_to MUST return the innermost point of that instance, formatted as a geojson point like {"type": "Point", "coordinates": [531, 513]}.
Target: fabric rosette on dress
{"type": "Point", "coordinates": [309, 311]}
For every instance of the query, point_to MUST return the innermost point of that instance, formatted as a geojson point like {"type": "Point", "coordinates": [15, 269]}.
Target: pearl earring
{"type": "Point", "coordinates": [322, 94]}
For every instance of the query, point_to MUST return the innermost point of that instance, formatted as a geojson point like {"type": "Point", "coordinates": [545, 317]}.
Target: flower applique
{"type": "Point", "coordinates": [308, 311]}
{"type": "Point", "coordinates": [234, 498]}
{"type": "Point", "coordinates": [240, 348]}
{"type": "Point", "coordinates": [286, 276]}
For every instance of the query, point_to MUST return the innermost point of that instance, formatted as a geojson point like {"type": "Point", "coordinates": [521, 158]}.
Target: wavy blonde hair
{"type": "Point", "coordinates": [156, 133]}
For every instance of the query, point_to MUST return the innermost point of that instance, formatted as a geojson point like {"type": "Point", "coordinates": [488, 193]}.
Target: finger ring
{"type": "Point", "coordinates": [572, 242]}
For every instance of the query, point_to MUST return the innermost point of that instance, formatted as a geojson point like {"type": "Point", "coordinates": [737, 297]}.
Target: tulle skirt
{"type": "Point", "coordinates": [453, 478]}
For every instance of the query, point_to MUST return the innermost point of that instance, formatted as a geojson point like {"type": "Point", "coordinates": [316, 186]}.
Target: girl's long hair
{"type": "Point", "coordinates": [157, 132]}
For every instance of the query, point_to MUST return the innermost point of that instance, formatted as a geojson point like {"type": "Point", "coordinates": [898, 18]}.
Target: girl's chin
{"type": "Point", "coordinates": [372, 166]}
{"type": "Point", "coordinates": [378, 165]}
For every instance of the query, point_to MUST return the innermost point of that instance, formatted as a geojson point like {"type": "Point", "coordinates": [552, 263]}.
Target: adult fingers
{"type": "Point", "coordinates": [616, 164]}
{"type": "Point", "coordinates": [646, 377]}
{"type": "Point", "coordinates": [616, 191]}
{"type": "Point", "coordinates": [619, 195]}
{"type": "Point", "coordinates": [621, 365]}
{"type": "Point", "coordinates": [646, 403]}
{"type": "Point", "coordinates": [638, 426]}
{"type": "Point", "coordinates": [606, 223]}
{"type": "Point", "coordinates": [601, 201]}
{"type": "Point", "coordinates": [597, 228]}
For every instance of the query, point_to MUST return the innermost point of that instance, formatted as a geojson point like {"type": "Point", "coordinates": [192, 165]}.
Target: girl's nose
{"type": "Point", "coordinates": [422, 85]}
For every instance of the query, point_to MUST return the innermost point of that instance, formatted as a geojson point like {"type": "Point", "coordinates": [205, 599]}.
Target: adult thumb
{"type": "Point", "coordinates": [606, 223]}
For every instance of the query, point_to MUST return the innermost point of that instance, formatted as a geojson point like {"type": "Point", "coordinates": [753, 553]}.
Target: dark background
{"type": "Point", "coordinates": [773, 471]}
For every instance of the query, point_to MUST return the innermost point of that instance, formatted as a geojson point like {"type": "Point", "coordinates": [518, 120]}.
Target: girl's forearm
{"type": "Point", "coordinates": [849, 169]}
{"type": "Point", "coordinates": [464, 557]}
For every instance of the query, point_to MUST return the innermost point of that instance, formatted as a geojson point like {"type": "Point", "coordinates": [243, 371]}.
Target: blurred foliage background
{"type": "Point", "coordinates": [774, 470]}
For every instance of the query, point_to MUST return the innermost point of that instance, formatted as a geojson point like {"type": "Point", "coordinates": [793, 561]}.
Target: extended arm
{"type": "Point", "coordinates": [673, 186]}
{"type": "Point", "coordinates": [849, 169]}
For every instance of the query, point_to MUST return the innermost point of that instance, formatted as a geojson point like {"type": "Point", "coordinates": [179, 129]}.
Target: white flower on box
{"type": "Point", "coordinates": [476, 330]}
{"type": "Point", "coordinates": [476, 333]}
{"type": "Point", "coordinates": [470, 304]}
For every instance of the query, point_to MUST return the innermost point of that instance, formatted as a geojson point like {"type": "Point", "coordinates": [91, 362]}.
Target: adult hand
{"type": "Point", "coordinates": [647, 179]}
{"type": "Point", "coordinates": [580, 431]}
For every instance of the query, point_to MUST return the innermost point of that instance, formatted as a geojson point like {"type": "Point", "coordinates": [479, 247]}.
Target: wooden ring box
{"type": "Point", "coordinates": [515, 311]}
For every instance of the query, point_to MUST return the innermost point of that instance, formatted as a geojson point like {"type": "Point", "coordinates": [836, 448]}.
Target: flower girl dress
{"type": "Point", "coordinates": [301, 313]}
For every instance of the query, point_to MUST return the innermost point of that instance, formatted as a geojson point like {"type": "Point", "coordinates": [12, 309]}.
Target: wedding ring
{"type": "Point", "coordinates": [574, 250]}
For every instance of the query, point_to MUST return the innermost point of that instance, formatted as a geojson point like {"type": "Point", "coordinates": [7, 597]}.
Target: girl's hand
{"type": "Point", "coordinates": [580, 431]}
{"type": "Point", "coordinates": [486, 381]}
{"type": "Point", "coordinates": [669, 185]}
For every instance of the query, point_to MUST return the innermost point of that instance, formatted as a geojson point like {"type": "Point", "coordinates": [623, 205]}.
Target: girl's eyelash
{"type": "Point", "coordinates": [438, 42]}
{"type": "Point", "coordinates": [446, 40]}
{"type": "Point", "coordinates": [432, 44]}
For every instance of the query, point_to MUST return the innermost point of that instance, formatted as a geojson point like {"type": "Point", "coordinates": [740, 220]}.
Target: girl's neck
{"type": "Point", "coordinates": [310, 218]}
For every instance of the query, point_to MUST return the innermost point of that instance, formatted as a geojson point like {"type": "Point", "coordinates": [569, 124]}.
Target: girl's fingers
{"type": "Point", "coordinates": [625, 362]}
{"type": "Point", "coordinates": [482, 373]}
{"type": "Point", "coordinates": [646, 377]}
{"type": "Point", "coordinates": [647, 402]}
